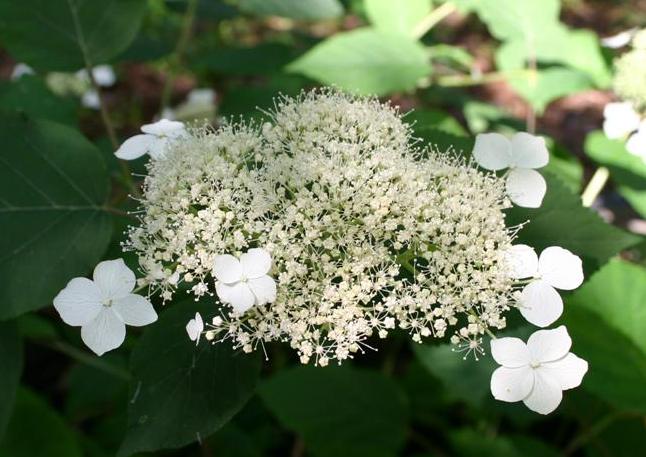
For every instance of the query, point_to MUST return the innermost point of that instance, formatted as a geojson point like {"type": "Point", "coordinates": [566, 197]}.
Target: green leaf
{"type": "Point", "coordinates": [616, 293]}
{"type": "Point", "coordinates": [563, 221]}
{"type": "Point", "coordinates": [54, 226]}
{"type": "Point", "coordinates": [366, 61]}
{"type": "Point", "coordinates": [181, 393]}
{"type": "Point", "coordinates": [36, 429]}
{"type": "Point", "coordinates": [29, 95]}
{"type": "Point", "coordinates": [59, 35]}
{"type": "Point", "coordinates": [339, 411]}
{"type": "Point", "coordinates": [263, 59]}
{"type": "Point", "coordinates": [421, 119]}
{"type": "Point", "coordinates": [468, 443]}
{"type": "Point", "coordinates": [309, 10]}
{"type": "Point", "coordinates": [397, 17]}
{"type": "Point", "coordinates": [11, 369]}
{"type": "Point", "coordinates": [617, 368]}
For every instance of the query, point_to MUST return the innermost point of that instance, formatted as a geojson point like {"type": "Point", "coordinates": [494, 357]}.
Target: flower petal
{"type": "Point", "coordinates": [239, 296]}
{"type": "Point", "coordinates": [560, 268]}
{"type": "Point", "coordinates": [105, 333]}
{"type": "Point", "coordinates": [195, 327]}
{"type": "Point", "coordinates": [157, 149]}
{"type": "Point", "coordinates": [546, 394]}
{"type": "Point", "coordinates": [526, 187]}
{"type": "Point", "coordinates": [227, 269]}
{"type": "Point", "coordinates": [164, 127]}
{"type": "Point", "coordinates": [114, 279]}
{"type": "Point", "coordinates": [568, 371]}
{"type": "Point", "coordinates": [264, 288]}
{"type": "Point", "coordinates": [136, 146]}
{"type": "Point", "coordinates": [549, 345]}
{"type": "Point", "coordinates": [255, 263]}
{"type": "Point", "coordinates": [511, 384]}
{"type": "Point", "coordinates": [620, 118]}
{"type": "Point", "coordinates": [492, 151]}
{"type": "Point", "coordinates": [636, 144]}
{"type": "Point", "coordinates": [528, 151]}
{"type": "Point", "coordinates": [540, 303]}
{"type": "Point", "coordinates": [523, 261]}
{"type": "Point", "coordinates": [510, 352]}
{"type": "Point", "coordinates": [79, 302]}
{"type": "Point", "coordinates": [134, 310]}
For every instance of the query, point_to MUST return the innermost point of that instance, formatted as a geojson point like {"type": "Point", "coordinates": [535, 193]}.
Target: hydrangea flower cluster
{"type": "Point", "coordinates": [327, 225]}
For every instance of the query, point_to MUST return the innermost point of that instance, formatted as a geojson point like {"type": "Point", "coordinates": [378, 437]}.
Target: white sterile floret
{"type": "Point", "coordinates": [20, 70]}
{"type": "Point", "coordinates": [103, 75]}
{"type": "Point", "coordinates": [556, 268]}
{"type": "Point", "coordinates": [620, 119]}
{"type": "Point", "coordinates": [154, 141]}
{"type": "Point", "coordinates": [195, 327]}
{"type": "Point", "coordinates": [538, 372]}
{"type": "Point", "coordinates": [522, 155]}
{"type": "Point", "coordinates": [103, 306]}
{"type": "Point", "coordinates": [244, 283]}
{"type": "Point", "coordinates": [636, 144]}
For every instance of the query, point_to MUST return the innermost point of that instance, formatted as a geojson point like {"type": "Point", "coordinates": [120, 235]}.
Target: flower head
{"type": "Point", "coordinates": [154, 140]}
{"type": "Point", "coordinates": [538, 372]}
{"type": "Point", "coordinates": [522, 155]}
{"type": "Point", "coordinates": [556, 268]}
{"type": "Point", "coordinates": [630, 73]}
{"type": "Point", "coordinates": [103, 306]}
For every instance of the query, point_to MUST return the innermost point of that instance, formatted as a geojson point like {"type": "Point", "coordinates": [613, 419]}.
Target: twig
{"type": "Point", "coordinates": [432, 18]}
{"type": "Point", "coordinates": [595, 186]}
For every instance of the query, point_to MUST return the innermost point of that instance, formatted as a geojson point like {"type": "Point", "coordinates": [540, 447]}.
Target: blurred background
{"type": "Point", "coordinates": [573, 71]}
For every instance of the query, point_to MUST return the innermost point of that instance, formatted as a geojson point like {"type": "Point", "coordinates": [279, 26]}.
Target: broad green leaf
{"type": "Point", "coordinates": [11, 369]}
{"type": "Point", "coordinates": [310, 10]}
{"type": "Point", "coordinates": [181, 393]}
{"type": "Point", "coordinates": [451, 53]}
{"type": "Point", "coordinates": [264, 59]}
{"type": "Point", "coordinates": [366, 61]}
{"type": "Point", "coordinates": [617, 368]}
{"type": "Point", "coordinates": [35, 429]}
{"type": "Point", "coordinates": [617, 293]}
{"type": "Point", "coordinates": [397, 17]}
{"type": "Point", "coordinates": [420, 119]}
{"type": "Point", "coordinates": [565, 166]}
{"type": "Point", "coordinates": [30, 96]}
{"type": "Point", "coordinates": [339, 411]}
{"type": "Point", "coordinates": [62, 34]}
{"type": "Point", "coordinates": [468, 443]}
{"type": "Point", "coordinates": [563, 221]}
{"type": "Point", "coordinates": [53, 188]}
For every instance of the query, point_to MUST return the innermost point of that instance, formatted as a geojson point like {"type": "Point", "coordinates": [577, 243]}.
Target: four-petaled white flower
{"type": "Point", "coordinates": [620, 119]}
{"type": "Point", "coordinates": [244, 283]}
{"type": "Point", "coordinates": [153, 141]}
{"type": "Point", "coordinates": [522, 155]}
{"type": "Point", "coordinates": [538, 372]}
{"type": "Point", "coordinates": [195, 327]}
{"type": "Point", "coordinates": [103, 306]}
{"type": "Point", "coordinates": [557, 268]}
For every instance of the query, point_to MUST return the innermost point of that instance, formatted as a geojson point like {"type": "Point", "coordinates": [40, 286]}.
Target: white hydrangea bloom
{"type": "Point", "coordinates": [154, 141]}
{"type": "Point", "coordinates": [522, 155]}
{"type": "Point", "coordinates": [244, 283]}
{"type": "Point", "coordinates": [195, 327]}
{"type": "Point", "coordinates": [620, 119]}
{"type": "Point", "coordinates": [103, 306]}
{"type": "Point", "coordinates": [538, 372]}
{"type": "Point", "coordinates": [556, 268]}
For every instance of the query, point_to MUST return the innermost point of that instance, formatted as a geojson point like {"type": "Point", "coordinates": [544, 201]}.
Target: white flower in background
{"type": "Point", "coordinates": [103, 306]}
{"type": "Point", "coordinates": [636, 144]}
{"type": "Point", "coordinates": [20, 70]}
{"type": "Point", "coordinates": [619, 40]}
{"type": "Point", "coordinates": [620, 119]}
{"type": "Point", "coordinates": [195, 327]}
{"type": "Point", "coordinates": [90, 99]}
{"type": "Point", "coordinates": [103, 75]}
{"type": "Point", "coordinates": [199, 104]}
{"type": "Point", "coordinates": [556, 268]}
{"type": "Point", "coordinates": [538, 372]}
{"type": "Point", "coordinates": [153, 141]}
{"type": "Point", "coordinates": [522, 155]}
{"type": "Point", "coordinates": [244, 283]}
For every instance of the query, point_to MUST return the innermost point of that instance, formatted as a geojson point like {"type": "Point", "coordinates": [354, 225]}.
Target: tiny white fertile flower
{"type": "Point", "coordinates": [244, 283]}
{"type": "Point", "coordinates": [21, 69]}
{"type": "Point", "coordinates": [153, 141]}
{"type": "Point", "coordinates": [636, 144]}
{"type": "Point", "coordinates": [522, 155]}
{"type": "Point", "coordinates": [103, 306]}
{"type": "Point", "coordinates": [620, 119]}
{"type": "Point", "coordinates": [195, 327]}
{"type": "Point", "coordinates": [538, 372]}
{"type": "Point", "coordinates": [557, 268]}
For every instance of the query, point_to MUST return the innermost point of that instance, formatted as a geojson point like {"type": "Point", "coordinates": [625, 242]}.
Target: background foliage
{"type": "Point", "coordinates": [464, 66]}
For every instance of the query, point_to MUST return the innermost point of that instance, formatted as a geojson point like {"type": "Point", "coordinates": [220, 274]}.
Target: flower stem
{"type": "Point", "coordinates": [595, 186]}
{"type": "Point", "coordinates": [432, 18]}
{"type": "Point", "coordinates": [474, 80]}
